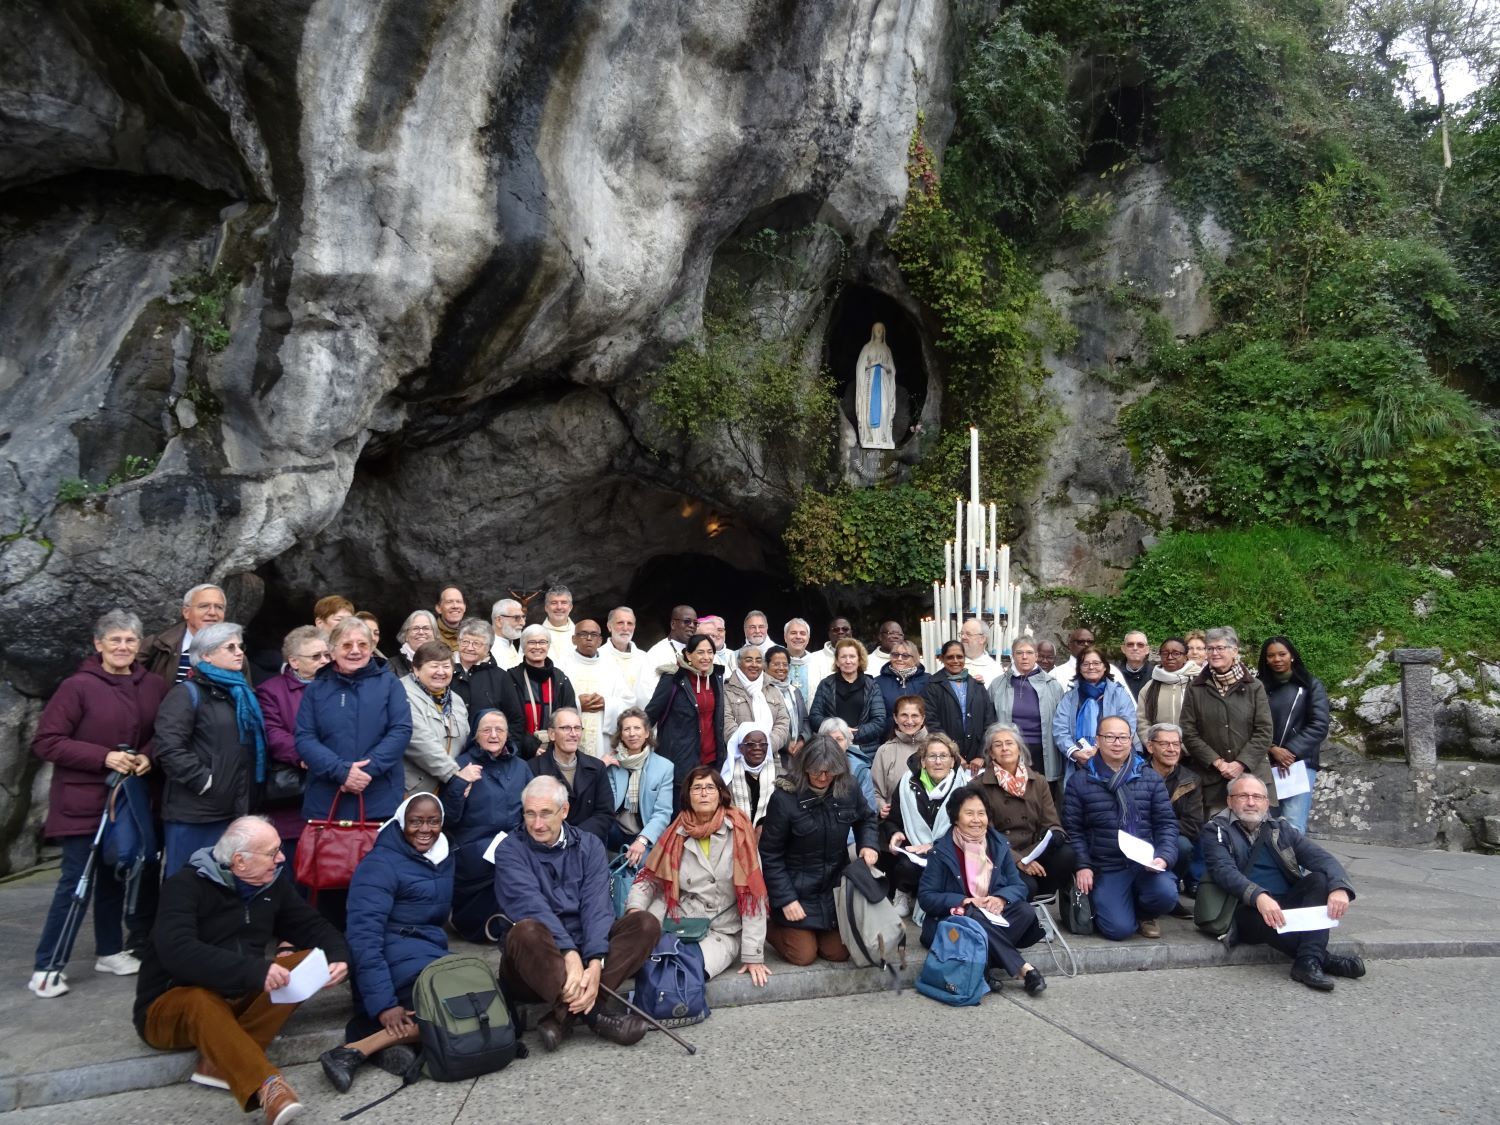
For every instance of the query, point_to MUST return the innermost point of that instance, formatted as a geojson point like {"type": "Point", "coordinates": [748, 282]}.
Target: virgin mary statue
{"type": "Point", "coordinates": [875, 392]}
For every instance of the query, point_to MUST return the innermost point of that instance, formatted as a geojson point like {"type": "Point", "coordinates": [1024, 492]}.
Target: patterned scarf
{"type": "Point", "coordinates": [664, 866]}
{"type": "Point", "coordinates": [247, 715]}
{"type": "Point", "coordinates": [735, 769]}
{"type": "Point", "coordinates": [633, 764]}
{"type": "Point", "coordinates": [1012, 783]}
{"type": "Point", "coordinates": [974, 859]}
{"type": "Point", "coordinates": [1223, 681]}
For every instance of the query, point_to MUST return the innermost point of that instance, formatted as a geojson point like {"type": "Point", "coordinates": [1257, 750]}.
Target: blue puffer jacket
{"type": "Point", "coordinates": [346, 719]}
{"type": "Point", "coordinates": [1117, 703]}
{"type": "Point", "coordinates": [942, 886]}
{"type": "Point", "coordinates": [398, 902]}
{"type": "Point", "coordinates": [566, 889]}
{"type": "Point", "coordinates": [493, 804]}
{"type": "Point", "coordinates": [1091, 814]}
{"type": "Point", "coordinates": [657, 777]}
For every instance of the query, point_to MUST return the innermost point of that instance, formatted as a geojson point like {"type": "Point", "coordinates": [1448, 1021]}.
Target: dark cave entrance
{"type": "Point", "coordinates": [858, 308]}
{"type": "Point", "coordinates": [711, 585]}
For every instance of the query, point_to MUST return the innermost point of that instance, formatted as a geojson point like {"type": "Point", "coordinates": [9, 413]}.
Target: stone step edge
{"type": "Point", "coordinates": [305, 1044]}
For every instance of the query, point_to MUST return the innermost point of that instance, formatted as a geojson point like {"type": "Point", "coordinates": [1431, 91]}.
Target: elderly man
{"type": "Point", "coordinates": [450, 610]}
{"type": "Point", "coordinates": [557, 605]}
{"type": "Point", "coordinates": [591, 802]}
{"type": "Point", "coordinates": [820, 664]}
{"type": "Point", "coordinates": [1046, 656]}
{"type": "Point", "coordinates": [600, 684]}
{"type": "Point", "coordinates": [975, 636]}
{"type": "Point", "coordinates": [205, 977]}
{"type": "Point", "coordinates": [564, 942]}
{"type": "Point", "coordinates": [1027, 697]}
{"type": "Point", "coordinates": [758, 631]}
{"type": "Point", "coordinates": [797, 633]}
{"type": "Point", "coordinates": [1079, 640]}
{"type": "Point", "coordinates": [661, 658]}
{"type": "Point", "coordinates": [1138, 665]}
{"type": "Point", "coordinates": [711, 625]}
{"type": "Point", "coordinates": [1269, 867]}
{"type": "Point", "coordinates": [622, 649]}
{"type": "Point", "coordinates": [1115, 791]}
{"type": "Point", "coordinates": [166, 654]}
{"type": "Point", "coordinates": [890, 633]}
{"type": "Point", "coordinates": [508, 617]}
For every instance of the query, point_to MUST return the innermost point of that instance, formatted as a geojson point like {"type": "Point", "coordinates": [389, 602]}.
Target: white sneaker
{"type": "Point", "coordinates": [47, 985]}
{"type": "Point", "coordinates": [902, 902]}
{"type": "Point", "coordinates": [122, 964]}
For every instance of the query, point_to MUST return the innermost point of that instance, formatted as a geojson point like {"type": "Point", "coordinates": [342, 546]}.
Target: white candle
{"type": "Point", "coordinates": [947, 562]}
{"type": "Point", "coordinates": [937, 598]}
{"type": "Point", "coordinates": [1005, 566]}
{"type": "Point", "coordinates": [958, 525]}
{"type": "Point", "coordinates": [974, 464]}
{"type": "Point", "coordinates": [992, 536]}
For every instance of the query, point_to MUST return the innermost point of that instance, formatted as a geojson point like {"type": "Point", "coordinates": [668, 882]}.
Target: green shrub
{"type": "Point", "coordinates": [889, 537]}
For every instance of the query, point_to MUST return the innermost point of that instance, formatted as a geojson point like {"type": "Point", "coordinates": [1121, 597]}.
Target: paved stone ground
{"type": "Point", "coordinates": [81, 1046]}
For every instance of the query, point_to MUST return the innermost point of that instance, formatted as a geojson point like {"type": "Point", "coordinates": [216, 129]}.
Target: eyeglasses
{"type": "Point", "coordinates": [419, 629]}
{"type": "Point", "coordinates": [1221, 648]}
{"type": "Point", "coordinates": [232, 646]}
{"type": "Point", "coordinates": [538, 644]}
{"type": "Point", "coordinates": [511, 616]}
{"type": "Point", "coordinates": [1166, 745]}
{"type": "Point", "coordinates": [1091, 666]}
{"type": "Point", "coordinates": [1256, 798]}
{"type": "Point", "coordinates": [704, 789]}
{"type": "Point", "coordinates": [567, 729]}
{"type": "Point", "coordinates": [321, 657]}
{"type": "Point", "coordinates": [470, 642]}
{"type": "Point", "coordinates": [1114, 738]}
{"type": "Point", "coordinates": [588, 634]}
{"type": "Point", "coordinates": [424, 822]}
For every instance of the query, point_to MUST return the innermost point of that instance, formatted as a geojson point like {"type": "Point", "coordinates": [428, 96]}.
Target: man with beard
{"type": "Point", "coordinates": [509, 618]}
{"type": "Point", "coordinates": [1269, 867]}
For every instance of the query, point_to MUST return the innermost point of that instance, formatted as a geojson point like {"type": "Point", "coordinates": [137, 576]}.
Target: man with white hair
{"type": "Point", "coordinates": [561, 938]}
{"type": "Point", "coordinates": [508, 617]}
{"type": "Point", "coordinates": [758, 631]}
{"type": "Point", "coordinates": [797, 633]}
{"type": "Point", "coordinates": [557, 604]}
{"type": "Point", "coordinates": [166, 654]}
{"type": "Point", "coordinates": [206, 977]}
{"type": "Point", "coordinates": [622, 649]}
{"type": "Point", "coordinates": [974, 634]}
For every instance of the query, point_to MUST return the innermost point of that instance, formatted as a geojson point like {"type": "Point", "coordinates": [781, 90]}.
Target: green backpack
{"type": "Point", "coordinates": [464, 1019]}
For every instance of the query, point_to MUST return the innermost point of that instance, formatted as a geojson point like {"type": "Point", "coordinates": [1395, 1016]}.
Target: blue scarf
{"type": "Point", "coordinates": [247, 714]}
{"type": "Point", "coordinates": [1119, 785]}
{"type": "Point", "coordinates": [1090, 698]}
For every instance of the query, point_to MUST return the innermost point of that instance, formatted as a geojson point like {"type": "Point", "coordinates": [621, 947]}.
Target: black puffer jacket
{"type": "Point", "coordinates": [194, 742]}
{"type": "Point", "coordinates": [965, 725]}
{"type": "Point", "coordinates": [804, 846]}
{"type": "Point", "coordinates": [488, 687]}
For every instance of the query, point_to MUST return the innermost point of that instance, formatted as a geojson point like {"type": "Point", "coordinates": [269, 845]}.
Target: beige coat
{"type": "Point", "coordinates": [893, 763]}
{"type": "Point", "coordinates": [435, 741]}
{"type": "Point", "coordinates": [737, 710]}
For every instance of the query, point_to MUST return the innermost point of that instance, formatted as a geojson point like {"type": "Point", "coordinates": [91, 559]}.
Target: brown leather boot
{"type": "Point", "coordinates": [554, 1027]}
{"type": "Point", "coordinates": [279, 1101]}
{"type": "Point", "coordinates": [622, 1027]}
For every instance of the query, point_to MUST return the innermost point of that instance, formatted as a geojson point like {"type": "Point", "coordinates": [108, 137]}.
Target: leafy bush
{"type": "Point", "coordinates": [70, 490]}
{"type": "Point", "coordinates": [872, 537]}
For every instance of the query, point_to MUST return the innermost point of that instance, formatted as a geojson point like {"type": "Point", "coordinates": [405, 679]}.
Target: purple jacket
{"type": "Point", "coordinates": [90, 714]}
{"type": "Point", "coordinates": [280, 696]}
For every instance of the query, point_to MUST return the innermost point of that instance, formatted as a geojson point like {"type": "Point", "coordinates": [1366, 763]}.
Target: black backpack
{"type": "Point", "coordinates": [464, 1018]}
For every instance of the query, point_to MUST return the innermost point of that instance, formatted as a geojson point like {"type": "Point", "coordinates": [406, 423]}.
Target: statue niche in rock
{"type": "Point", "coordinates": [875, 392]}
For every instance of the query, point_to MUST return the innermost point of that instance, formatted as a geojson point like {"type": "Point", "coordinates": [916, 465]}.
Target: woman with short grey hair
{"type": "Point", "coordinates": [481, 683]}
{"type": "Point", "coordinates": [211, 746]}
{"type": "Point", "coordinates": [419, 627]}
{"type": "Point", "coordinates": [1226, 720]}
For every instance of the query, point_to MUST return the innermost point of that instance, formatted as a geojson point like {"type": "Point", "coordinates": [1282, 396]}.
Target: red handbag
{"type": "Point", "coordinates": [329, 850]}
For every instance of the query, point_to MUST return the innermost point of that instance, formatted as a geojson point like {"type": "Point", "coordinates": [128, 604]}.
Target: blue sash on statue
{"type": "Point", "coordinates": [875, 374]}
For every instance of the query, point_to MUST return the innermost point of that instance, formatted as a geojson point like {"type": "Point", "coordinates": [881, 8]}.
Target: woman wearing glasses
{"type": "Point", "coordinates": [1226, 720]}
{"type": "Point", "coordinates": [1093, 697]}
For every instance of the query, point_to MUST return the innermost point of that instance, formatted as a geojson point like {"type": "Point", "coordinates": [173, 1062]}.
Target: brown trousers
{"type": "Point", "coordinates": [803, 947]}
{"type": "Point", "coordinates": [532, 967]}
{"type": "Point", "coordinates": [232, 1032]}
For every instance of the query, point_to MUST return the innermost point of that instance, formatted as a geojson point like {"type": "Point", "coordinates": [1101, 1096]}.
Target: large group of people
{"type": "Point", "coordinates": [515, 769]}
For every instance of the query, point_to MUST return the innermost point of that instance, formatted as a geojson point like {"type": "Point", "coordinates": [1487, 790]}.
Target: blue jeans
{"type": "Point", "coordinates": [1189, 866]}
{"type": "Point", "coordinates": [180, 841]}
{"type": "Point", "coordinates": [108, 894]}
{"type": "Point", "coordinates": [1297, 809]}
{"type": "Point", "coordinates": [1122, 898]}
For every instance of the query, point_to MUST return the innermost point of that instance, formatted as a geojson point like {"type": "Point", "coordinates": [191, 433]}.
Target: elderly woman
{"type": "Point", "coordinates": [893, 759]}
{"type": "Point", "coordinates": [1027, 697]}
{"type": "Point", "coordinates": [779, 670]}
{"type": "Point", "coordinates": [1094, 696]}
{"type": "Point", "coordinates": [706, 866]}
{"type": "Point", "coordinates": [919, 815]}
{"type": "Point", "coordinates": [970, 872]}
{"type": "Point", "coordinates": [838, 730]}
{"type": "Point", "coordinates": [439, 720]}
{"type": "Point", "coordinates": [1226, 720]}
{"type": "Point", "coordinates": [210, 746]}
{"type": "Point", "coordinates": [804, 847]}
{"type": "Point", "coordinates": [848, 694]}
{"type": "Point", "coordinates": [750, 771]}
{"type": "Point", "coordinates": [1197, 652]}
{"type": "Point", "coordinates": [687, 709]}
{"type": "Point", "coordinates": [1019, 803]}
{"type": "Point", "coordinates": [304, 651]}
{"type": "Point", "coordinates": [541, 688]}
{"type": "Point", "coordinates": [959, 706]}
{"type": "Point", "coordinates": [399, 899]}
{"type": "Point", "coordinates": [98, 723]}
{"type": "Point", "coordinates": [1185, 791]}
{"type": "Point", "coordinates": [481, 683]}
{"type": "Point", "coordinates": [1161, 699]}
{"type": "Point", "coordinates": [750, 698]}
{"type": "Point", "coordinates": [475, 810]}
{"type": "Point", "coordinates": [418, 628]}
{"type": "Point", "coordinates": [902, 676]}
{"type": "Point", "coordinates": [1299, 719]}
{"type": "Point", "coordinates": [641, 782]}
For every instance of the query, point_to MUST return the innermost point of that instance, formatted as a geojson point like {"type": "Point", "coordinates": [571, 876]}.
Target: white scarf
{"type": "Point", "coordinates": [913, 824]}
{"type": "Point", "coordinates": [439, 850]}
{"type": "Point", "coordinates": [760, 709]}
{"type": "Point", "coordinates": [735, 769]}
{"type": "Point", "coordinates": [1162, 676]}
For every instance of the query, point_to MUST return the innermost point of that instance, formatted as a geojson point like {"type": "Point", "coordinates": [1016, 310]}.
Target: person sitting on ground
{"type": "Point", "coordinates": [851, 695]}
{"type": "Point", "coordinates": [419, 627]}
{"type": "Point", "coordinates": [474, 812]}
{"type": "Point", "coordinates": [439, 720]}
{"type": "Point", "coordinates": [1161, 700]}
{"type": "Point", "coordinates": [1020, 808]}
{"type": "Point", "coordinates": [902, 675]}
{"type": "Point", "coordinates": [1185, 791]}
{"type": "Point", "coordinates": [688, 711]}
{"type": "Point", "coordinates": [205, 978]}
{"type": "Point", "coordinates": [779, 671]}
{"type": "Point", "coordinates": [970, 872]}
{"type": "Point", "coordinates": [919, 815]}
{"type": "Point", "coordinates": [1092, 698]}
{"type": "Point", "coordinates": [399, 900]}
{"type": "Point", "coordinates": [893, 759]}
{"type": "Point", "coordinates": [591, 801]}
{"type": "Point", "coordinates": [1269, 867]}
{"type": "Point", "coordinates": [305, 650]}
{"type": "Point", "coordinates": [1299, 720]}
{"type": "Point", "coordinates": [542, 687]}
{"type": "Point", "coordinates": [706, 866]}
{"type": "Point", "coordinates": [562, 943]}
{"type": "Point", "coordinates": [1113, 791]}
{"type": "Point", "coordinates": [750, 772]}
{"type": "Point", "coordinates": [750, 698]}
{"type": "Point", "coordinates": [480, 682]}
{"type": "Point", "coordinates": [959, 706]}
{"type": "Point", "coordinates": [1226, 720]}
{"type": "Point", "coordinates": [804, 848]}
{"type": "Point", "coordinates": [640, 781]}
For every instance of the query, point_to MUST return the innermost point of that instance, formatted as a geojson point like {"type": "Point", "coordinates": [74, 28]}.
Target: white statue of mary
{"type": "Point", "coordinates": [875, 392]}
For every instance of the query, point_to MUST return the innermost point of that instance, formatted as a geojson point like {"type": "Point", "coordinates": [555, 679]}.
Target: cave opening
{"type": "Point", "coordinates": [1123, 125]}
{"type": "Point", "coordinates": [711, 585]}
{"type": "Point", "coordinates": [858, 308]}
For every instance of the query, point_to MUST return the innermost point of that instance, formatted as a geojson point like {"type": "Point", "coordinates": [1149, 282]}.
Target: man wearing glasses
{"type": "Point", "coordinates": [508, 616]}
{"type": "Point", "coordinates": [1270, 867]}
{"type": "Point", "coordinates": [591, 803]}
{"type": "Point", "coordinates": [661, 658]}
{"type": "Point", "coordinates": [600, 684]}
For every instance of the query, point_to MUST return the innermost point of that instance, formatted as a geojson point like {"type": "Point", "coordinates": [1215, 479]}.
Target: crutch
{"type": "Point", "coordinates": [80, 900]}
{"type": "Point", "coordinates": [683, 1043]}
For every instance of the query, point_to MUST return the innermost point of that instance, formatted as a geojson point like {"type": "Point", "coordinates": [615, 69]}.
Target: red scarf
{"type": "Point", "coordinates": [537, 711]}
{"type": "Point", "coordinates": [665, 864]}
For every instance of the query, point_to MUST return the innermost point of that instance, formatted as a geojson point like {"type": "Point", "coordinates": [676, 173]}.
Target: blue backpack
{"type": "Point", "coordinates": [670, 986]}
{"type": "Point", "coordinates": [129, 842]}
{"type": "Point", "coordinates": [954, 969]}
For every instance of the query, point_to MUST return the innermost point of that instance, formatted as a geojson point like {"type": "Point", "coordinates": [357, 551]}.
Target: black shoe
{"type": "Point", "coordinates": [554, 1027]}
{"type": "Point", "coordinates": [1190, 888]}
{"type": "Point", "coordinates": [995, 979]}
{"type": "Point", "coordinates": [339, 1064]}
{"type": "Point", "coordinates": [1034, 982]}
{"type": "Point", "coordinates": [624, 1028]}
{"type": "Point", "coordinates": [1181, 911]}
{"type": "Point", "coordinates": [1310, 973]}
{"type": "Point", "coordinates": [399, 1060]}
{"type": "Point", "coordinates": [1340, 966]}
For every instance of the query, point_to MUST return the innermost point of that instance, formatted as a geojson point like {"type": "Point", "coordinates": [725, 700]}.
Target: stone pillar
{"type": "Point", "coordinates": [1418, 706]}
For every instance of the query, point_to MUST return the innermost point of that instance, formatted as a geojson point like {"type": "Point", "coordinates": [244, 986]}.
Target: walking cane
{"type": "Point", "coordinates": [686, 1046]}
{"type": "Point", "coordinates": [80, 900]}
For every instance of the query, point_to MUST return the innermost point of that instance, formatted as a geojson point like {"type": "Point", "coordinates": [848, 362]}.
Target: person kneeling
{"type": "Point", "coordinates": [705, 866]}
{"type": "Point", "coordinates": [970, 871]}
{"type": "Point", "coordinates": [399, 899]}
{"type": "Point", "coordinates": [564, 943]}
{"type": "Point", "coordinates": [204, 979]}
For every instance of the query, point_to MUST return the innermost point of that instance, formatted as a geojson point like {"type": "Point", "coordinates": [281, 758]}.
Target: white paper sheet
{"type": "Point", "coordinates": [998, 919]}
{"type": "Point", "coordinates": [1141, 851]}
{"type": "Point", "coordinates": [919, 860]}
{"type": "Point", "coordinates": [1305, 918]}
{"type": "Point", "coordinates": [1294, 783]}
{"type": "Point", "coordinates": [306, 979]}
{"type": "Point", "coordinates": [489, 852]}
{"type": "Point", "coordinates": [1039, 849]}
